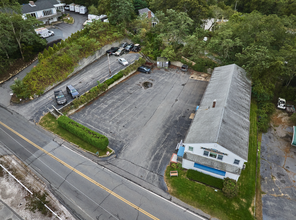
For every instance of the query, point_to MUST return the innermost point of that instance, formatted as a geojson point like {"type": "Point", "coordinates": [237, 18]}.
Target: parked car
{"type": "Point", "coordinates": [72, 91]}
{"type": "Point", "coordinates": [129, 47]}
{"type": "Point", "coordinates": [144, 69]}
{"type": "Point", "coordinates": [119, 52]}
{"type": "Point", "coordinates": [60, 98]}
{"type": "Point", "coordinates": [123, 61]}
{"type": "Point", "coordinates": [184, 68]}
{"type": "Point", "coordinates": [112, 50]}
{"type": "Point", "coordinates": [67, 7]}
{"type": "Point", "coordinates": [136, 48]}
{"type": "Point", "coordinates": [124, 44]}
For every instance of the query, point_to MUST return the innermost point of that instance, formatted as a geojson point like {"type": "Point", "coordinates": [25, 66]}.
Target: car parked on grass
{"type": "Point", "coordinates": [72, 91]}
{"type": "Point", "coordinates": [129, 47]}
{"type": "Point", "coordinates": [124, 44]}
{"type": "Point", "coordinates": [119, 52]}
{"type": "Point", "coordinates": [136, 48]}
{"type": "Point", "coordinates": [123, 61]}
{"type": "Point", "coordinates": [60, 98]}
{"type": "Point", "coordinates": [144, 69]}
{"type": "Point", "coordinates": [112, 50]}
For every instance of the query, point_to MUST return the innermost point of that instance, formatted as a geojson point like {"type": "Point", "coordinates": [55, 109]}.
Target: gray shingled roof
{"type": "Point", "coordinates": [145, 11]}
{"type": "Point", "coordinates": [40, 5]}
{"type": "Point", "coordinates": [228, 123]}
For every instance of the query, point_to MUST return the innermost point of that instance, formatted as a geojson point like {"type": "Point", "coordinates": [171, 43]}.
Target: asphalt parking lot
{"type": "Point", "coordinates": [144, 125]}
{"type": "Point", "coordinates": [64, 30]}
{"type": "Point", "coordinates": [278, 172]}
{"type": "Point", "coordinates": [82, 82]}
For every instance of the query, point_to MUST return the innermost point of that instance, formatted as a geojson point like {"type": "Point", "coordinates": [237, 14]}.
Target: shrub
{"type": "Point", "coordinates": [293, 118]}
{"type": "Point", "coordinates": [109, 81]}
{"type": "Point", "coordinates": [204, 178]}
{"type": "Point", "coordinates": [230, 188]}
{"type": "Point", "coordinates": [20, 89]}
{"type": "Point", "coordinates": [86, 134]}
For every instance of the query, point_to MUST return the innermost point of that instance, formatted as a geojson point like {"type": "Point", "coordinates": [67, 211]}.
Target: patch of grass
{"type": "Point", "coordinates": [215, 203]}
{"type": "Point", "coordinates": [50, 123]}
{"type": "Point", "coordinates": [204, 178]}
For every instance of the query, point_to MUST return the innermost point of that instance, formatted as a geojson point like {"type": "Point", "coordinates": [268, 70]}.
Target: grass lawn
{"type": "Point", "coordinates": [50, 123]}
{"type": "Point", "coordinates": [215, 203]}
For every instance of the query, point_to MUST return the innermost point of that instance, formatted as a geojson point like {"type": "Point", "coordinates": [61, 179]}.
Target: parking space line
{"type": "Point", "coordinates": [81, 174]}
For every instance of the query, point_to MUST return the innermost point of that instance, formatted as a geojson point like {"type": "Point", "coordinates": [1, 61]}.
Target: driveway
{"type": "Point", "coordinates": [144, 125]}
{"type": "Point", "coordinates": [82, 82]}
{"type": "Point", "coordinates": [64, 30]}
{"type": "Point", "coordinates": [278, 170]}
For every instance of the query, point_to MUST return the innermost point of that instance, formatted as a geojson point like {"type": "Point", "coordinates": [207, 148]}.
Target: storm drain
{"type": "Point", "coordinates": [147, 85]}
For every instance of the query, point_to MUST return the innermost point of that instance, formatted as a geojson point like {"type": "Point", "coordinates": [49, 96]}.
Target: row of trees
{"type": "Point", "coordinates": [17, 36]}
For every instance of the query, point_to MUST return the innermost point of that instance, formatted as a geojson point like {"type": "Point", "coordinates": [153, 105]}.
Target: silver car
{"type": "Point", "coordinates": [119, 52]}
{"type": "Point", "coordinates": [123, 61]}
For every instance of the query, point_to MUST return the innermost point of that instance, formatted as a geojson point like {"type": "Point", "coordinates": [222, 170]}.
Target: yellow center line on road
{"type": "Point", "coordinates": [81, 174]}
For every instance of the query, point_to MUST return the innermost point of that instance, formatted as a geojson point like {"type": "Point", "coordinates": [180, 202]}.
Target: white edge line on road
{"type": "Point", "coordinates": [62, 179]}
{"type": "Point", "coordinates": [107, 169]}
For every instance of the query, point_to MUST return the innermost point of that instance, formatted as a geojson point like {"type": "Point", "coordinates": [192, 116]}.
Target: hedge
{"type": "Point", "coordinates": [204, 178]}
{"type": "Point", "coordinates": [89, 136]}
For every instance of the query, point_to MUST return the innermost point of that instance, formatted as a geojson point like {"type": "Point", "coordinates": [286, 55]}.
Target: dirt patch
{"type": "Point", "coordinates": [14, 194]}
{"type": "Point", "coordinates": [200, 76]}
{"type": "Point", "coordinates": [280, 117]}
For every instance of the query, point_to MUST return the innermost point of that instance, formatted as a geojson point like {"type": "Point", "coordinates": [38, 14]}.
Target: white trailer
{"type": "Point", "coordinates": [77, 8]}
{"type": "Point", "coordinates": [44, 32]}
{"type": "Point", "coordinates": [83, 10]}
{"type": "Point", "coordinates": [72, 7]}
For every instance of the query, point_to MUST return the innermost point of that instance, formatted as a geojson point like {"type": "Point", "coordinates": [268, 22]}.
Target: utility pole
{"type": "Point", "coordinates": [235, 5]}
{"type": "Point", "coordinates": [109, 65]}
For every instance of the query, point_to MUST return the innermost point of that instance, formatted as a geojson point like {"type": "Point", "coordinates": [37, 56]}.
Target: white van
{"type": "Point", "coordinates": [72, 7]}
{"type": "Point", "coordinates": [44, 32]}
{"type": "Point", "coordinates": [83, 10]}
{"type": "Point", "coordinates": [77, 8]}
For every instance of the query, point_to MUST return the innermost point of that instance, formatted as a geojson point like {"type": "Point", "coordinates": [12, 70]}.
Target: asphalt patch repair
{"type": "Point", "coordinates": [145, 125]}
{"type": "Point", "coordinates": [278, 170]}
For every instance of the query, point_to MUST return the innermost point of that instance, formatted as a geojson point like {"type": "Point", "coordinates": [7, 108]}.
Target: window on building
{"type": "Point", "coordinates": [213, 155]}
{"type": "Point", "coordinates": [33, 15]}
{"type": "Point", "coordinates": [190, 148]}
{"type": "Point", "coordinates": [206, 153]}
{"type": "Point", "coordinates": [47, 12]}
{"type": "Point", "coordinates": [220, 157]}
{"type": "Point", "coordinates": [236, 162]}
{"type": "Point", "coordinates": [153, 24]}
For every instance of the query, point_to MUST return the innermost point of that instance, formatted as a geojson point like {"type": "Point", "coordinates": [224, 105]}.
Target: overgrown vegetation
{"type": "Point", "coordinates": [50, 123]}
{"type": "Point", "coordinates": [37, 201]}
{"type": "Point", "coordinates": [56, 63]}
{"type": "Point", "coordinates": [215, 203]}
{"type": "Point", "coordinates": [230, 188]}
{"type": "Point", "coordinates": [86, 134]}
{"type": "Point", "coordinates": [206, 179]}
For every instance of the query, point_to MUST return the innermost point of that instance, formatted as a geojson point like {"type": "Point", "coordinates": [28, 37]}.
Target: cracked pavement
{"type": "Point", "coordinates": [278, 174]}
{"type": "Point", "coordinates": [144, 125]}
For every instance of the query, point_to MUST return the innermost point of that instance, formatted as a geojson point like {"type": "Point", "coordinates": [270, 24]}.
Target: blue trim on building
{"type": "Point", "coordinates": [181, 151]}
{"type": "Point", "coordinates": [209, 169]}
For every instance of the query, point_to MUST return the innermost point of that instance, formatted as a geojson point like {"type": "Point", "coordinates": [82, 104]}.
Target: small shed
{"type": "Point", "coordinates": [162, 62]}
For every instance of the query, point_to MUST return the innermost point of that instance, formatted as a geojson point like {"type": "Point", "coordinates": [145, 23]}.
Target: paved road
{"type": "Point", "coordinates": [144, 125]}
{"type": "Point", "coordinates": [88, 190]}
{"type": "Point", "coordinates": [83, 81]}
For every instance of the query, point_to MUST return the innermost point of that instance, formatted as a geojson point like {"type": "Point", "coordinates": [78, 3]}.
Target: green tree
{"type": "Point", "coordinates": [20, 89]}
{"type": "Point", "coordinates": [173, 26]}
{"type": "Point", "coordinates": [169, 53]}
{"type": "Point", "coordinates": [139, 4]}
{"type": "Point", "coordinates": [93, 10]}
{"type": "Point", "coordinates": [121, 11]}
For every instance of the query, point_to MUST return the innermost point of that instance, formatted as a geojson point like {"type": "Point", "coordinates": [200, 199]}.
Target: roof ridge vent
{"type": "Point", "coordinates": [32, 4]}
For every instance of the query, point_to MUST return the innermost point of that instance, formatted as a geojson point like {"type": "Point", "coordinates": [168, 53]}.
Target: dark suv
{"type": "Point", "coordinates": [144, 69]}
{"type": "Point", "coordinates": [129, 47]}
{"type": "Point", "coordinates": [112, 50]}
{"type": "Point", "coordinates": [60, 98]}
{"type": "Point", "coordinates": [136, 48]}
{"type": "Point", "coordinates": [124, 44]}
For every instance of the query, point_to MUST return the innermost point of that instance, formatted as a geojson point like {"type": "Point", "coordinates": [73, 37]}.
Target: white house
{"type": "Point", "coordinates": [217, 142]}
{"type": "Point", "coordinates": [47, 11]}
{"type": "Point", "coordinates": [149, 14]}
